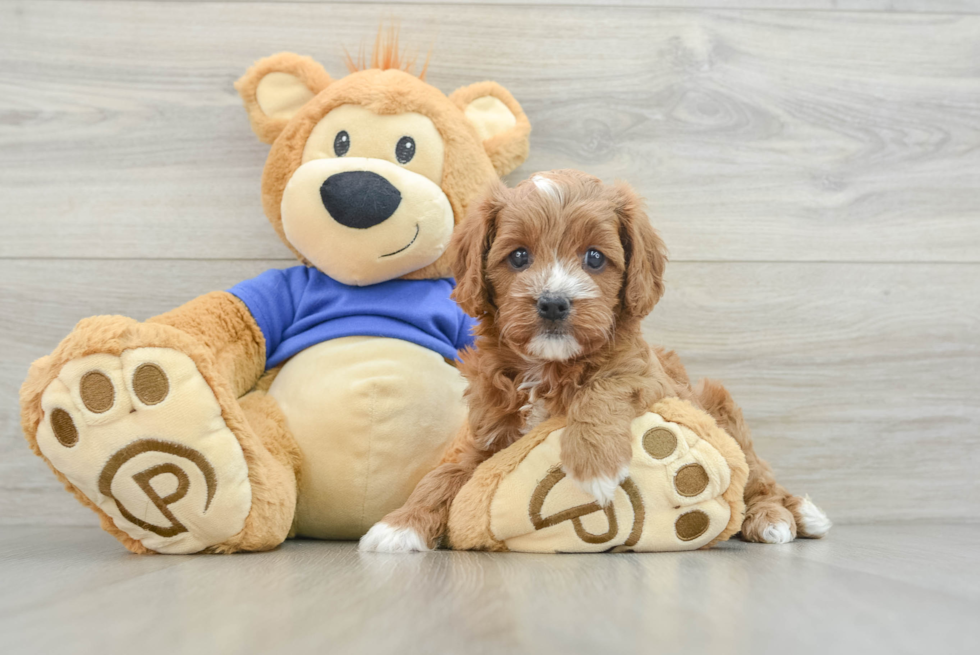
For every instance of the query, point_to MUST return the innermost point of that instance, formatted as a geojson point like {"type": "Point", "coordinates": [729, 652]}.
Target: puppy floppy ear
{"type": "Point", "coordinates": [275, 88]}
{"type": "Point", "coordinates": [499, 122]}
{"type": "Point", "coordinates": [645, 255]}
{"type": "Point", "coordinates": [470, 245]}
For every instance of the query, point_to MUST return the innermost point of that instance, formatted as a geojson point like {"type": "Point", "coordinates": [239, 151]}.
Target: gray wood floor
{"type": "Point", "coordinates": [906, 588]}
{"type": "Point", "coordinates": [814, 166]}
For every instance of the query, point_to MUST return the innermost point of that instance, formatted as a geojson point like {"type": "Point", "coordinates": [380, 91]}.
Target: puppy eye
{"type": "Point", "coordinates": [519, 259]}
{"type": "Point", "coordinates": [341, 143]}
{"type": "Point", "coordinates": [594, 260]}
{"type": "Point", "coordinates": [405, 149]}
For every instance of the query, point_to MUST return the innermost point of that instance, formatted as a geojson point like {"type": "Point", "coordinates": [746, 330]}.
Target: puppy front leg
{"type": "Point", "coordinates": [418, 524]}
{"type": "Point", "coordinates": [421, 521]}
{"type": "Point", "coordinates": [595, 446]}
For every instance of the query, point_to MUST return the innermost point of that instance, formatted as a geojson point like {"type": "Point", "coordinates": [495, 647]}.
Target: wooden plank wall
{"type": "Point", "coordinates": [814, 166]}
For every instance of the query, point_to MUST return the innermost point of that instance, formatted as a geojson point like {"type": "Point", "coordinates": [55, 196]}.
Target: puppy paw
{"type": "Point", "coordinates": [602, 487]}
{"type": "Point", "coordinates": [811, 521]}
{"type": "Point", "coordinates": [781, 519]}
{"type": "Point", "coordinates": [384, 538]}
{"type": "Point", "coordinates": [777, 533]}
{"type": "Point", "coordinates": [767, 521]}
{"type": "Point", "coordinates": [597, 465]}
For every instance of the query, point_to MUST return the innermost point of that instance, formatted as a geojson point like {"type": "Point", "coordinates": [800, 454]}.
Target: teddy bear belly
{"type": "Point", "coordinates": [372, 416]}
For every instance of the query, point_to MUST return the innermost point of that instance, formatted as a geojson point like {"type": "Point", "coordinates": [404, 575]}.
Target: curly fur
{"type": "Point", "coordinates": [608, 379]}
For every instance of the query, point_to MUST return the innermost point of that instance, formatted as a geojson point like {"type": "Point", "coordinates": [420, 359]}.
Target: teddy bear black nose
{"type": "Point", "coordinates": [359, 199]}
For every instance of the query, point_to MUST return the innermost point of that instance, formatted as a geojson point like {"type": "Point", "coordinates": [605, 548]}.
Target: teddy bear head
{"type": "Point", "coordinates": [369, 174]}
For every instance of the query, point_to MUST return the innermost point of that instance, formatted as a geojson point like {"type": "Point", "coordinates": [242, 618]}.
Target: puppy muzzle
{"type": "Point", "coordinates": [554, 308]}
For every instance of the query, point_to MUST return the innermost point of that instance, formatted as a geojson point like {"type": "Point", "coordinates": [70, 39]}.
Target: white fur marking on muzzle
{"type": "Point", "coordinates": [563, 281]}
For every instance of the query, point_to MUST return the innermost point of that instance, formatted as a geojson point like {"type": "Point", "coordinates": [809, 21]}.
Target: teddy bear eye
{"type": "Point", "coordinates": [341, 143]}
{"type": "Point", "coordinates": [405, 149]}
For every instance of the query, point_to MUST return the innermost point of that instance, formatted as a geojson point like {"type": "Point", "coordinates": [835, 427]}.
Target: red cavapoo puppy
{"type": "Point", "coordinates": [560, 271]}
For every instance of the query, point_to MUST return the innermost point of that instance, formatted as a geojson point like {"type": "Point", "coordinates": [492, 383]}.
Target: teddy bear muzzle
{"type": "Point", "coordinates": [363, 220]}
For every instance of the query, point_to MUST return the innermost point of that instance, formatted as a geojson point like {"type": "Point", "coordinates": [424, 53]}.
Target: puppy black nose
{"type": "Point", "coordinates": [554, 308]}
{"type": "Point", "coordinates": [359, 199]}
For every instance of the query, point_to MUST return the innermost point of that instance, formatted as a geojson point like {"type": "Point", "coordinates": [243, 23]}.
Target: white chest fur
{"type": "Point", "coordinates": [534, 411]}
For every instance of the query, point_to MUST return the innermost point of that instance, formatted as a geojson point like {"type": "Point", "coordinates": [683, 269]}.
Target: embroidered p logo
{"type": "Point", "coordinates": [144, 478]}
{"type": "Point", "coordinates": [576, 514]}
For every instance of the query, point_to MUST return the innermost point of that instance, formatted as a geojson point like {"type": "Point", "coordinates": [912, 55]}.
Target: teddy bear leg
{"type": "Point", "coordinates": [772, 514]}
{"type": "Point", "coordinates": [139, 424]}
{"type": "Point", "coordinates": [273, 471]}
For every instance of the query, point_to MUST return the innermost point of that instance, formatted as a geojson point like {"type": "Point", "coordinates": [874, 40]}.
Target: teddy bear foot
{"type": "Point", "coordinates": [683, 491]}
{"type": "Point", "coordinates": [142, 436]}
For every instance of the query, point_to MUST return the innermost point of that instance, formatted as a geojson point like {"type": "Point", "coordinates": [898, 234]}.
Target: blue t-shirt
{"type": "Point", "coordinates": [300, 307]}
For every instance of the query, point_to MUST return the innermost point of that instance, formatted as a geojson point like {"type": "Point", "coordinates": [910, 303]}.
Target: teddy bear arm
{"type": "Point", "coordinates": [222, 323]}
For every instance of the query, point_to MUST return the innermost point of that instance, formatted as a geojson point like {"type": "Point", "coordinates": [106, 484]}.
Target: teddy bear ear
{"type": "Point", "coordinates": [499, 122]}
{"type": "Point", "coordinates": [275, 88]}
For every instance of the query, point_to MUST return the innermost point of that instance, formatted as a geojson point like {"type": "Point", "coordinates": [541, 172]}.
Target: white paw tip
{"type": "Point", "coordinates": [777, 533]}
{"type": "Point", "coordinates": [602, 488]}
{"type": "Point", "coordinates": [383, 538]}
{"type": "Point", "coordinates": [813, 522]}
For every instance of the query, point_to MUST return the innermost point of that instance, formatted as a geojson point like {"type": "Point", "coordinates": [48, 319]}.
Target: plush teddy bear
{"type": "Point", "coordinates": [306, 401]}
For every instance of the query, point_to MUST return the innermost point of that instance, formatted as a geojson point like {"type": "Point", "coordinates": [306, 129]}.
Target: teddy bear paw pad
{"type": "Point", "coordinates": [143, 437]}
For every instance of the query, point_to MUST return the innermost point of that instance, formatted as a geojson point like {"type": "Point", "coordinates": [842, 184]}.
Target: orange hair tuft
{"type": "Point", "coordinates": [385, 55]}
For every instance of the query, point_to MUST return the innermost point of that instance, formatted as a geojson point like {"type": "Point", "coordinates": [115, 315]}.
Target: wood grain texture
{"type": "Point", "coordinates": [756, 135]}
{"type": "Point", "coordinates": [859, 380]}
{"type": "Point", "coordinates": [815, 174]}
{"type": "Point", "coordinates": [897, 6]}
{"type": "Point", "coordinates": [911, 588]}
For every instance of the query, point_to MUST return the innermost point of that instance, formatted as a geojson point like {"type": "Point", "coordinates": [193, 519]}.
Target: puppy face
{"type": "Point", "coordinates": [557, 263]}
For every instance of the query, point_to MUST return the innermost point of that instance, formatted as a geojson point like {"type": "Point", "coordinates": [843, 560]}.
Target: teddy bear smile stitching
{"type": "Point", "coordinates": [404, 248]}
